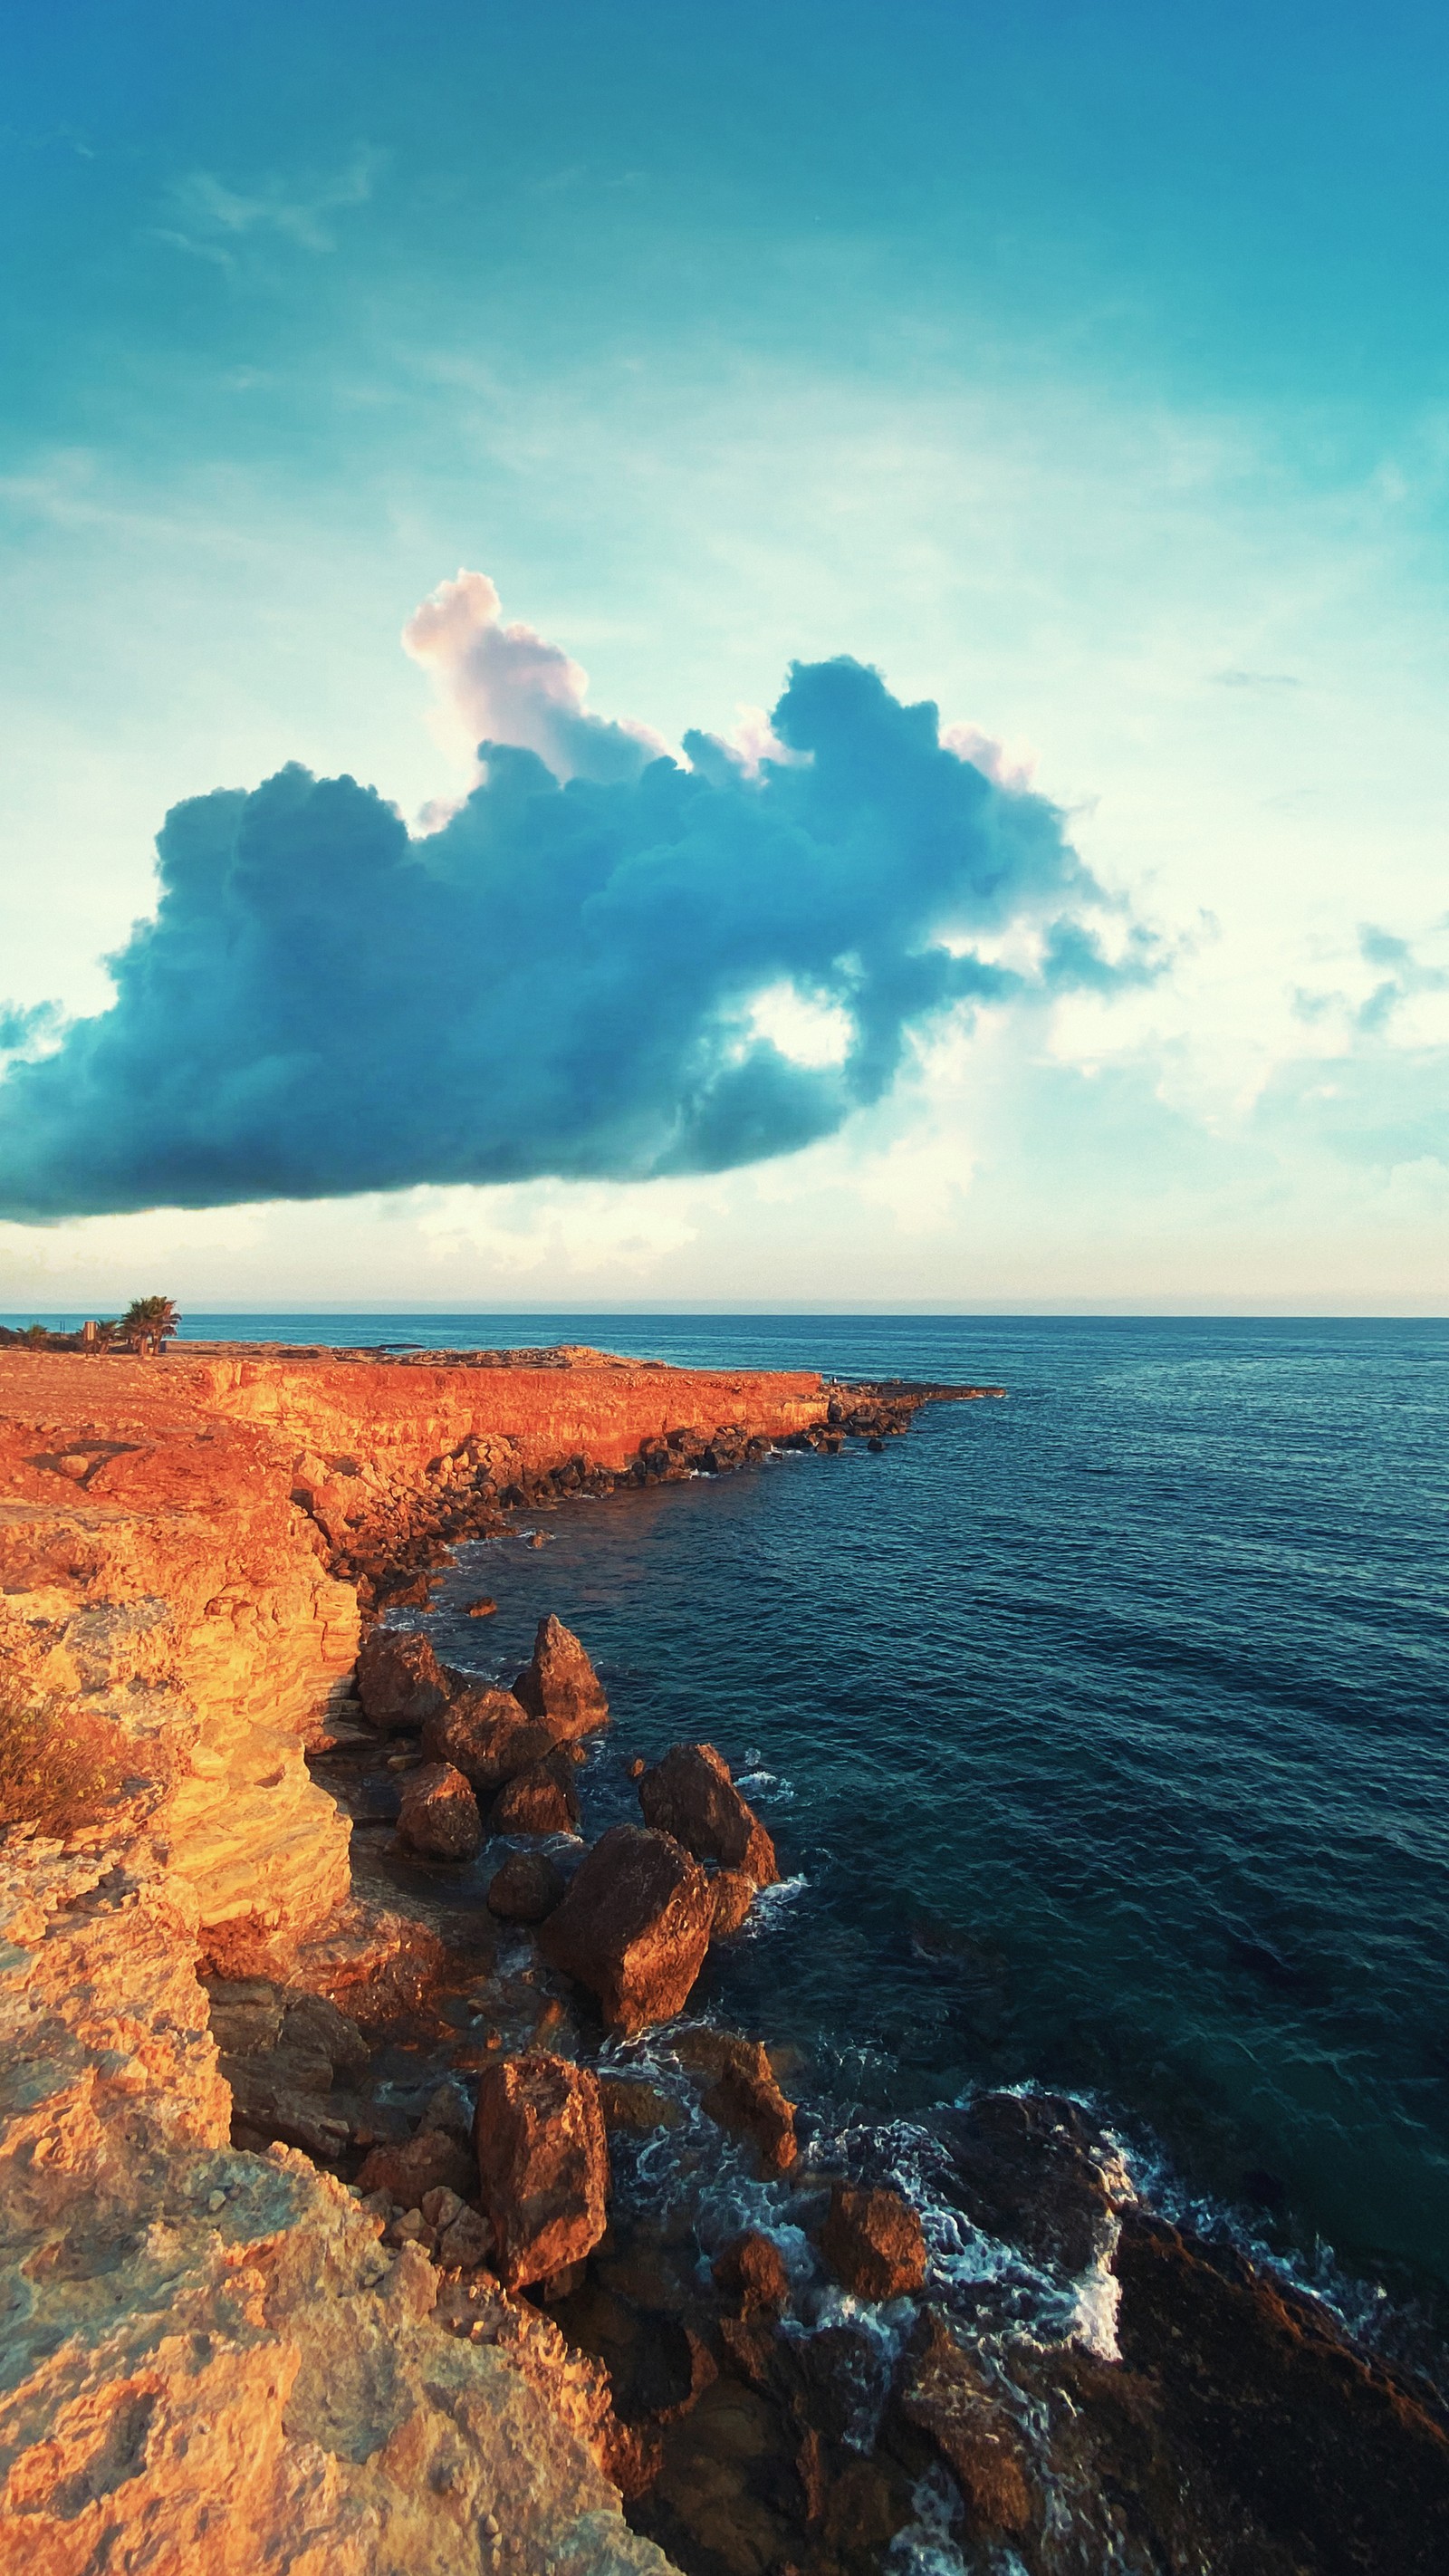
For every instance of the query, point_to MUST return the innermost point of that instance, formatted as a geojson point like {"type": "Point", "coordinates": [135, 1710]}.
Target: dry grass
{"type": "Point", "coordinates": [57, 1768]}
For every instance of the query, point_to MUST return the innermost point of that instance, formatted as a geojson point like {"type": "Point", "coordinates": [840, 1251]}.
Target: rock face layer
{"type": "Point", "coordinates": [211, 2363]}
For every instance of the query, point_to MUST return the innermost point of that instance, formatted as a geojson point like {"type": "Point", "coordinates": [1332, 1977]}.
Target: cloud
{"type": "Point", "coordinates": [637, 970]}
{"type": "Point", "coordinates": [1256, 680]}
{"type": "Point", "coordinates": [209, 218]}
{"type": "Point", "coordinates": [506, 684]}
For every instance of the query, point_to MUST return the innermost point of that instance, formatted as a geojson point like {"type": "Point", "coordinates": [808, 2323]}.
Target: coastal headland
{"type": "Point", "coordinates": [335, 2240]}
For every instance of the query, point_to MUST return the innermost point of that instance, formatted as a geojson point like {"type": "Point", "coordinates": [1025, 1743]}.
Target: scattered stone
{"type": "Point", "coordinates": [690, 1795]}
{"type": "Point", "coordinates": [313, 2026]}
{"type": "Point", "coordinates": [439, 1814]}
{"type": "Point", "coordinates": [424, 2163]}
{"type": "Point", "coordinates": [542, 1800]}
{"type": "Point", "coordinates": [487, 1736]}
{"type": "Point", "coordinates": [400, 1681]}
{"type": "Point", "coordinates": [634, 1926]}
{"type": "Point", "coordinates": [744, 2096]}
{"type": "Point", "coordinates": [485, 1608]}
{"type": "Point", "coordinates": [873, 2243]}
{"type": "Point", "coordinates": [734, 1894]}
{"type": "Point", "coordinates": [1030, 2168]}
{"type": "Point", "coordinates": [636, 1766]}
{"type": "Point", "coordinates": [543, 2164]}
{"type": "Point", "coordinates": [559, 1684]}
{"type": "Point", "coordinates": [944, 2395]}
{"type": "Point", "coordinates": [526, 1888]}
{"type": "Point", "coordinates": [752, 2270]}
{"type": "Point", "coordinates": [628, 2102]}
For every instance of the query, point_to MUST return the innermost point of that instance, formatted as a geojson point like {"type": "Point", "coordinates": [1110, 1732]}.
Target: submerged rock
{"type": "Point", "coordinates": [873, 2243]}
{"type": "Point", "coordinates": [400, 1681]}
{"type": "Point", "coordinates": [1031, 2168]}
{"type": "Point", "coordinates": [744, 2095]}
{"type": "Point", "coordinates": [526, 1888]}
{"type": "Point", "coordinates": [439, 1814]}
{"type": "Point", "coordinates": [944, 2396]}
{"type": "Point", "coordinates": [690, 1795]}
{"type": "Point", "coordinates": [752, 2271]}
{"type": "Point", "coordinates": [634, 1927]}
{"type": "Point", "coordinates": [488, 1736]}
{"type": "Point", "coordinates": [543, 2164]}
{"type": "Point", "coordinates": [559, 1684]}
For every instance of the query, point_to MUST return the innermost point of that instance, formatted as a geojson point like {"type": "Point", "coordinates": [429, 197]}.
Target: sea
{"type": "Point", "coordinates": [1103, 1729]}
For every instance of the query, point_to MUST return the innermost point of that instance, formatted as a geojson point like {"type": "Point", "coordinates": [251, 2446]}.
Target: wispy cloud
{"type": "Point", "coordinates": [211, 219]}
{"type": "Point", "coordinates": [1256, 680]}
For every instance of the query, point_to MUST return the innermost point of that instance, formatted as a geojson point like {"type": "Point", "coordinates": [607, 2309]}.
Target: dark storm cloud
{"type": "Point", "coordinates": [560, 981]}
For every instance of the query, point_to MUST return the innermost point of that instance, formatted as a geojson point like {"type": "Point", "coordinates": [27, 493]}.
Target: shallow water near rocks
{"type": "Point", "coordinates": [1102, 1730]}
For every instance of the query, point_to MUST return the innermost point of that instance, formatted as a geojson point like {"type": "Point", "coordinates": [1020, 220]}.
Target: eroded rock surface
{"type": "Point", "coordinates": [439, 1814]}
{"type": "Point", "coordinates": [488, 1736]}
{"type": "Point", "coordinates": [559, 1684]}
{"type": "Point", "coordinates": [543, 2164]}
{"type": "Point", "coordinates": [634, 1926]}
{"type": "Point", "coordinates": [873, 2243]}
{"type": "Point", "coordinates": [691, 1795]}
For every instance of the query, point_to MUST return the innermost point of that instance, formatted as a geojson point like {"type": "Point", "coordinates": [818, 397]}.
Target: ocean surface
{"type": "Point", "coordinates": [1104, 1731]}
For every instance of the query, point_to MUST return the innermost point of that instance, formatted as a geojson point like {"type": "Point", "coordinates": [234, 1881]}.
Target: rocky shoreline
{"type": "Point", "coordinates": [421, 2231]}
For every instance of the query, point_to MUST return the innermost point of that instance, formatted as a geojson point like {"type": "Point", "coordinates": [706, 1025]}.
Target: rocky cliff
{"type": "Point", "coordinates": [213, 2361]}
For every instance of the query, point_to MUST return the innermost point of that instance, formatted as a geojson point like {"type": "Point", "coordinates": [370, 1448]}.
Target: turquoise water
{"type": "Point", "coordinates": [1104, 1731]}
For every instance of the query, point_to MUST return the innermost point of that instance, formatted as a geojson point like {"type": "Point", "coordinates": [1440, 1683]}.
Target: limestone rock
{"type": "Point", "coordinates": [526, 1888]}
{"type": "Point", "coordinates": [634, 1926]}
{"type": "Point", "coordinates": [744, 2096]}
{"type": "Point", "coordinates": [543, 2164]}
{"type": "Point", "coordinates": [488, 1736]}
{"type": "Point", "coordinates": [752, 2270]}
{"type": "Point", "coordinates": [400, 1681]}
{"type": "Point", "coordinates": [541, 1800]}
{"type": "Point", "coordinates": [631, 2102]}
{"type": "Point", "coordinates": [873, 2243]}
{"type": "Point", "coordinates": [1031, 2168]}
{"type": "Point", "coordinates": [734, 1894]}
{"type": "Point", "coordinates": [439, 1814]}
{"type": "Point", "coordinates": [690, 1795]}
{"type": "Point", "coordinates": [560, 1684]}
{"type": "Point", "coordinates": [430, 2161]}
{"type": "Point", "coordinates": [944, 2395]}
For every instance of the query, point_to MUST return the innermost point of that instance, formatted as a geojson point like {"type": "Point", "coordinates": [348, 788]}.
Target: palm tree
{"type": "Point", "coordinates": [106, 1333]}
{"type": "Point", "coordinates": [149, 1322]}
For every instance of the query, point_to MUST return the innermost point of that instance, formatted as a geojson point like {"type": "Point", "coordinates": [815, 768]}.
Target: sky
{"type": "Point", "coordinates": [1060, 393]}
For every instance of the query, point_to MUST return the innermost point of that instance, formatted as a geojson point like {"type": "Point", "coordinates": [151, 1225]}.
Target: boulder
{"type": "Point", "coordinates": [487, 1736]}
{"type": "Point", "coordinates": [631, 2102]}
{"type": "Point", "coordinates": [873, 2244]}
{"type": "Point", "coordinates": [439, 1814]}
{"type": "Point", "coordinates": [1030, 2168]}
{"type": "Point", "coordinates": [400, 1681]}
{"type": "Point", "coordinates": [634, 1926]}
{"type": "Point", "coordinates": [744, 2096]}
{"type": "Point", "coordinates": [752, 2271]}
{"type": "Point", "coordinates": [690, 1795]}
{"type": "Point", "coordinates": [483, 1608]}
{"type": "Point", "coordinates": [559, 1684]}
{"type": "Point", "coordinates": [542, 1800]}
{"type": "Point", "coordinates": [734, 1894]}
{"type": "Point", "coordinates": [428, 2162]}
{"type": "Point", "coordinates": [943, 2395]}
{"type": "Point", "coordinates": [526, 1888]}
{"type": "Point", "coordinates": [543, 2165]}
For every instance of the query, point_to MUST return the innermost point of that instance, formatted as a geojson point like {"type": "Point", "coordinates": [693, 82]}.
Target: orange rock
{"type": "Point", "coordinates": [873, 2244]}
{"type": "Point", "coordinates": [733, 1893]}
{"type": "Point", "coordinates": [634, 1926]}
{"type": "Point", "coordinates": [543, 2164]}
{"type": "Point", "coordinates": [488, 1736]}
{"type": "Point", "coordinates": [439, 1814]}
{"type": "Point", "coordinates": [560, 1684]}
{"type": "Point", "coordinates": [690, 1794]}
{"type": "Point", "coordinates": [541, 1800]}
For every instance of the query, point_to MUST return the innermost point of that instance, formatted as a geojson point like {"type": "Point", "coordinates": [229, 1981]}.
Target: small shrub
{"type": "Point", "coordinates": [57, 1769]}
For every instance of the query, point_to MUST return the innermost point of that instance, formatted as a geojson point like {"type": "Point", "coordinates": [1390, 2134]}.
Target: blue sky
{"type": "Point", "coordinates": [1082, 369]}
